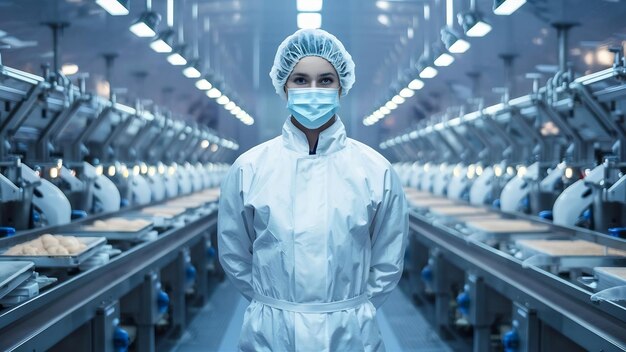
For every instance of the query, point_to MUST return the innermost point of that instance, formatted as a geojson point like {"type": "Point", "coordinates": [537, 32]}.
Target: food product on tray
{"type": "Point", "coordinates": [48, 245]}
{"type": "Point", "coordinates": [114, 224]}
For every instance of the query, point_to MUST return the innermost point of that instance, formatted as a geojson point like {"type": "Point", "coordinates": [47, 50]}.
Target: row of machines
{"type": "Point", "coordinates": [519, 215]}
{"type": "Point", "coordinates": [107, 218]}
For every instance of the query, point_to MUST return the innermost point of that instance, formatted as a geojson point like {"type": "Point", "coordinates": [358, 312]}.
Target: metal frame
{"type": "Point", "coordinates": [43, 321]}
{"type": "Point", "coordinates": [562, 305]}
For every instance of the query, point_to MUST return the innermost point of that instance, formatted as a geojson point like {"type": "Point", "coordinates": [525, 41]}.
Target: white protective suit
{"type": "Point", "coordinates": [298, 231]}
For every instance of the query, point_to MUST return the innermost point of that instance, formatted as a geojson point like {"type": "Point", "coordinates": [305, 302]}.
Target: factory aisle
{"type": "Point", "coordinates": [217, 325]}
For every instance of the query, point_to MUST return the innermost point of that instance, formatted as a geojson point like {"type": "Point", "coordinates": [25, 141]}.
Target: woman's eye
{"type": "Point", "coordinates": [326, 81]}
{"type": "Point", "coordinates": [299, 80]}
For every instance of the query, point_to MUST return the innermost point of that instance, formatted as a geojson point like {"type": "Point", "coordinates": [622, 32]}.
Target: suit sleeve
{"type": "Point", "coordinates": [389, 238]}
{"type": "Point", "coordinates": [235, 233]}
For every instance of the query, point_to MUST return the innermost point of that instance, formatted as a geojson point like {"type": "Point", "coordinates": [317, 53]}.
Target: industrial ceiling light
{"type": "Point", "coordinates": [309, 20]}
{"type": "Point", "coordinates": [428, 72]}
{"type": "Point", "coordinates": [507, 7]}
{"type": "Point", "coordinates": [214, 93]}
{"type": "Point", "coordinates": [416, 84]}
{"type": "Point", "coordinates": [69, 69]}
{"type": "Point", "coordinates": [192, 71]}
{"type": "Point", "coordinates": [426, 68]}
{"type": "Point", "coordinates": [384, 110]}
{"type": "Point", "coordinates": [231, 105]}
{"type": "Point", "coordinates": [164, 42]}
{"type": "Point", "coordinates": [453, 42]}
{"type": "Point", "coordinates": [177, 57]}
{"type": "Point", "coordinates": [203, 84]}
{"type": "Point", "coordinates": [145, 26]}
{"type": "Point", "coordinates": [442, 57]}
{"type": "Point", "coordinates": [114, 7]}
{"type": "Point", "coordinates": [223, 100]}
{"type": "Point", "coordinates": [398, 100]}
{"type": "Point", "coordinates": [236, 110]}
{"type": "Point", "coordinates": [309, 5]}
{"type": "Point", "coordinates": [391, 105]}
{"type": "Point", "coordinates": [407, 93]}
{"type": "Point", "coordinates": [383, 5]}
{"type": "Point", "coordinates": [473, 24]}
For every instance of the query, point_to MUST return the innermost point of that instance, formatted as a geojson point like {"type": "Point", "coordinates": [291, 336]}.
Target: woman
{"type": "Point", "coordinates": [312, 225]}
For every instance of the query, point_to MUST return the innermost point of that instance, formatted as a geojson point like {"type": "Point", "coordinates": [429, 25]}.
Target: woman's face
{"type": "Point", "coordinates": [313, 72]}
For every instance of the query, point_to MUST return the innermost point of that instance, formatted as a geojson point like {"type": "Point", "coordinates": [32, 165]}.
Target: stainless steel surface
{"type": "Point", "coordinates": [74, 302]}
{"type": "Point", "coordinates": [12, 274]}
{"type": "Point", "coordinates": [561, 304]}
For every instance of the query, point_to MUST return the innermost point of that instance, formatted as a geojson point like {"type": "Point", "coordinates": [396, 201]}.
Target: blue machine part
{"type": "Point", "coordinates": [619, 232]}
{"type": "Point", "coordinates": [78, 214]}
{"type": "Point", "coordinates": [511, 341]}
{"type": "Point", "coordinates": [546, 214]}
{"type": "Point", "coordinates": [163, 301]}
{"type": "Point", "coordinates": [496, 203]}
{"type": "Point", "coordinates": [124, 202]}
{"type": "Point", "coordinates": [463, 303]}
{"type": "Point", "coordinates": [211, 252]}
{"type": "Point", "coordinates": [7, 231]}
{"type": "Point", "coordinates": [190, 273]}
{"type": "Point", "coordinates": [427, 273]}
{"type": "Point", "coordinates": [121, 340]}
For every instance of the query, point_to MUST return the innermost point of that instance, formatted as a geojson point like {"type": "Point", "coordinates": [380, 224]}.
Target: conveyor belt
{"type": "Point", "coordinates": [563, 306]}
{"type": "Point", "coordinates": [34, 328]}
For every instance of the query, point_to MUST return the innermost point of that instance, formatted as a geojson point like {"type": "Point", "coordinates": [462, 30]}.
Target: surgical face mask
{"type": "Point", "coordinates": [313, 107]}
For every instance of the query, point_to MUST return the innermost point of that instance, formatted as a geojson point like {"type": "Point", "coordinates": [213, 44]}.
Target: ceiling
{"type": "Point", "coordinates": [238, 38]}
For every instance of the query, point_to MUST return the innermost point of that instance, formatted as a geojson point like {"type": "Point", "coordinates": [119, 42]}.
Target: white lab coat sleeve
{"type": "Point", "coordinates": [235, 232]}
{"type": "Point", "coordinates": [389, 237]}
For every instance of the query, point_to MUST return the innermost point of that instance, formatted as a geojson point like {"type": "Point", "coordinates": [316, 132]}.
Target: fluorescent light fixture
{"type": "Point", "coordinates": [416, 84]}
{"type": "Point", "coordinates": [69, 69]}
{"type": "Point", "coordinates": [163, 43]}
{"type": "Point", "coordinates": [204, 144]}
{"type": "Point", "coordinates": [231, 105]}
{"type": "Point", "coordinates": [236, 110]}
{"type": "Point", "coordinates": [391, 105]}
{"type": "Point", "coordinates": [177, 57]}
{"type": "Point", "coordinates": [378, 115]}
{"type": "Point", "coordinates": [384, 20]}
{"type": "Point", "coordinates": [460, 46]}
{"type": "Point", "coordinates": [309, 5]}
{"type": "Point", "coordinates": [309, 20]}
{"type": "Point", "coordinates": [407, 93]}
{"type": "Point", "coordinates": [145, 26]}
{"type": "Point", "coordinates": [241, 115]}
{"type": "Point", "coordinates": [203, 84]}
{"type": "Point", "coordinates": [114, 7]}
{"type": "Point", "coordinates": [453, 41]}
{"type": "Point", "coordinates": [444, 59]}
{"type": "Point", "coordinates": [214, 93]}
{"type": "Point", "coordinates": [142, 30]}
{"type": "Point", "coordinates": [383, 5]}
{"type": "Point", "coordinates": [425, 67]}
{"type": "Point", "coordinates": [507, 7]}
{"type": "Point", "coordinates": [398, 99]}
{"type": "Point", "coordinates": [384, 110]}
{"type": "Point", "coordinates": [223, 100]}
{"type": "Point", "coordinates": [191, 71]}
{"type": "Point", "coordinates": [480, 29]}
{"type": "Point", "coordinates": [474, 24]}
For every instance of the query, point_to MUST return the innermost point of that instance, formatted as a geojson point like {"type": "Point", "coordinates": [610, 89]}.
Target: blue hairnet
{"type": "Point", "coordinates": [311, 42]}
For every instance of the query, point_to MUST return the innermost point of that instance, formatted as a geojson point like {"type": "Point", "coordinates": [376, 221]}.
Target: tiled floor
{"type": "Point", "coordinates": [217, 326]}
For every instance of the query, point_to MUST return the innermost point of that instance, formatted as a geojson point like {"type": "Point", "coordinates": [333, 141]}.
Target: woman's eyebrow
{"type": "Point", "coordinates": [327, 74]}
{"type": "Point", "coordinates": [300, 74]}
